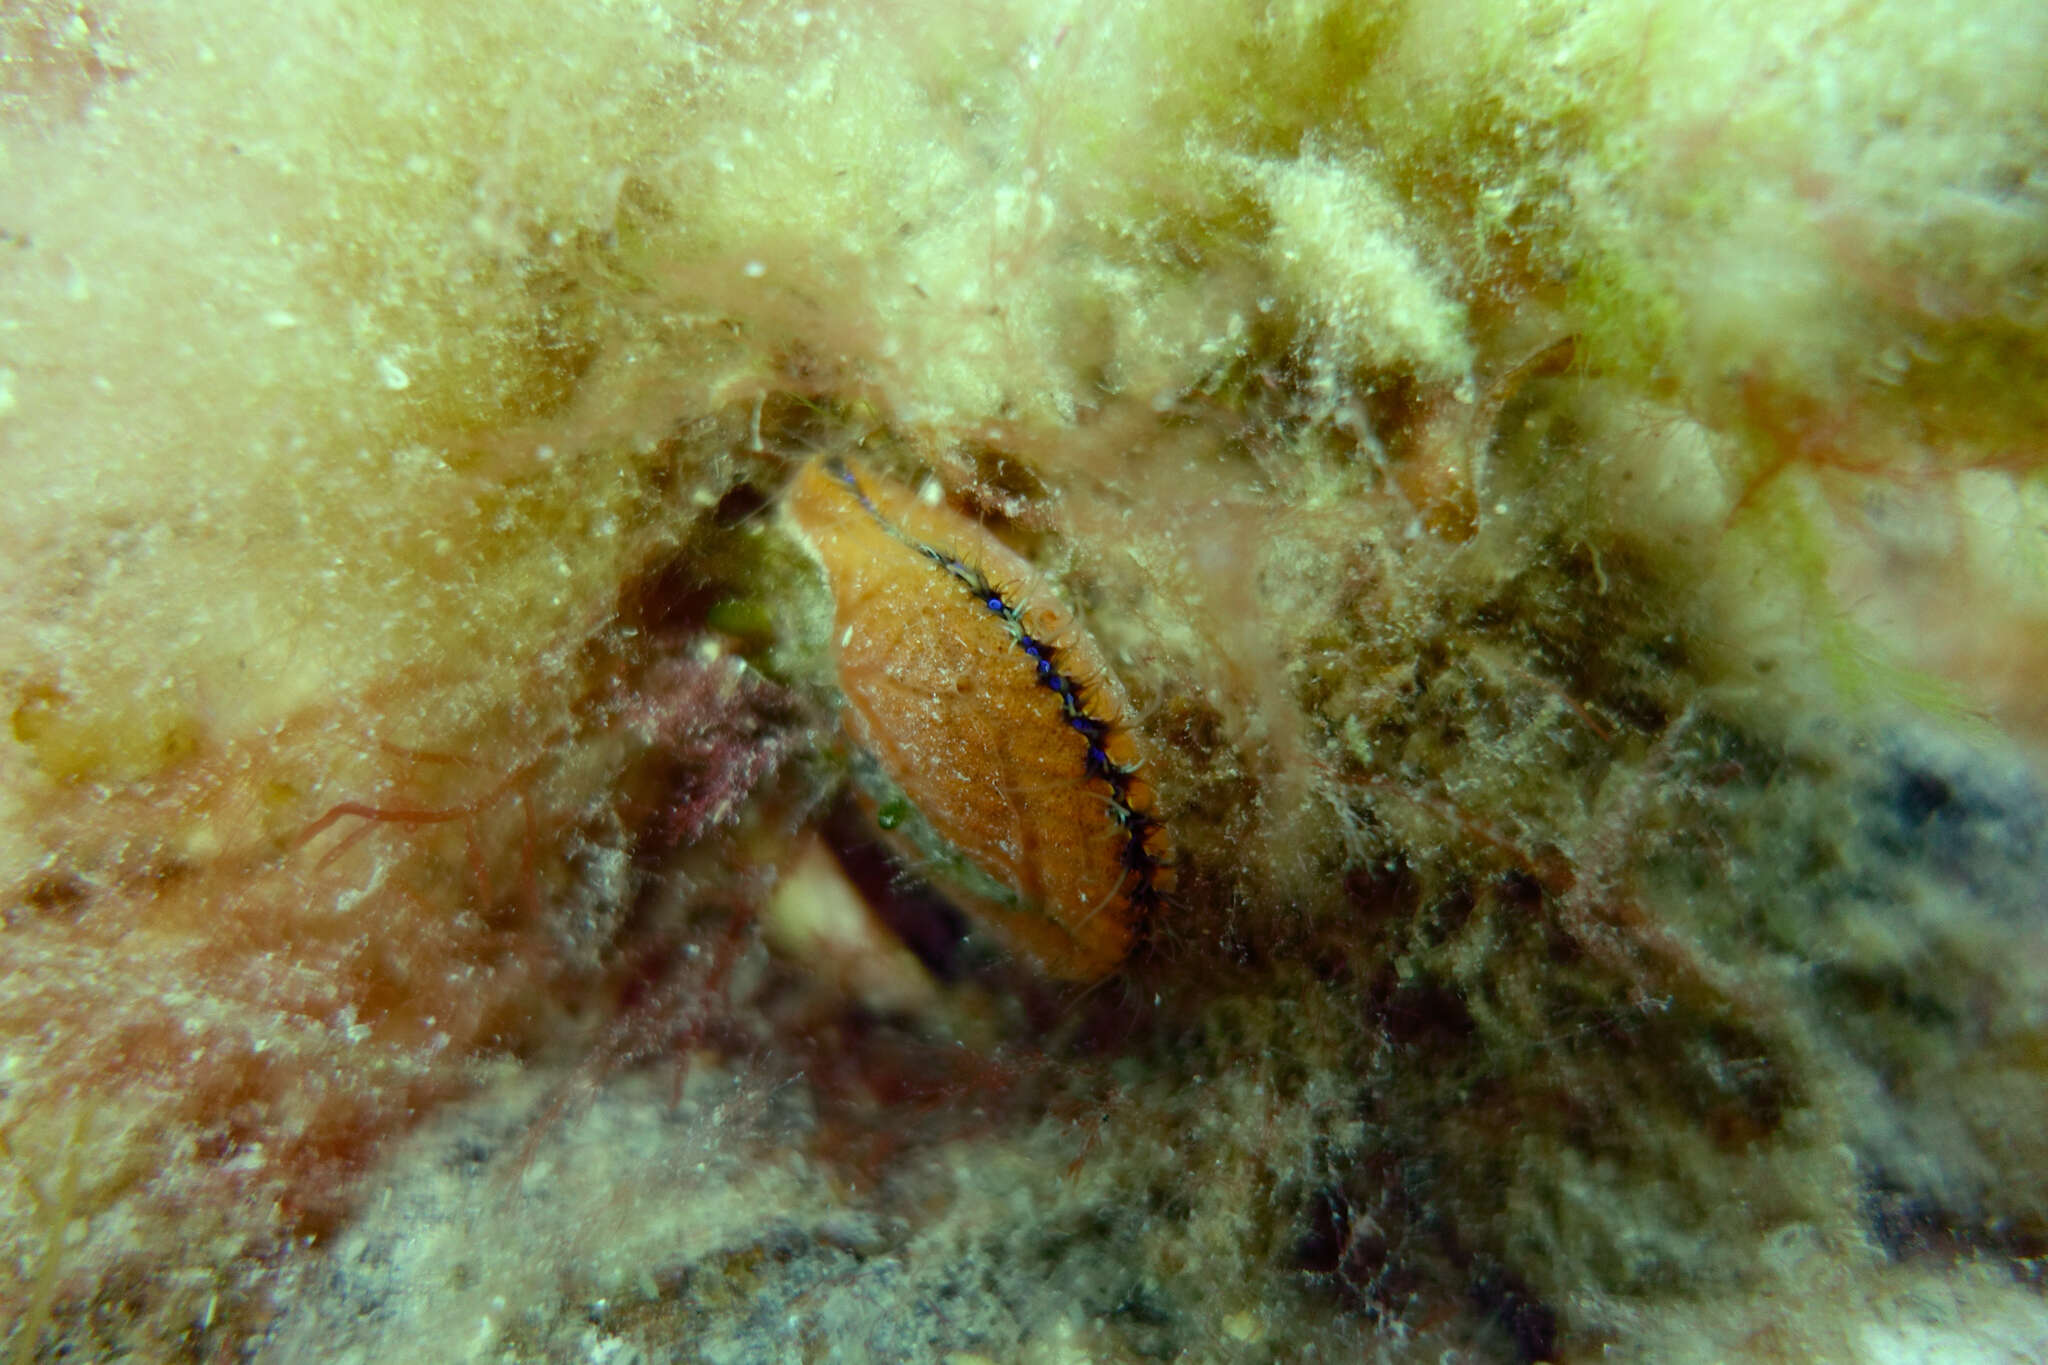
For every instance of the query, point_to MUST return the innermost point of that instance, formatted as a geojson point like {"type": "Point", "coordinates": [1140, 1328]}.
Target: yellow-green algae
{"type": "Point", "coordinates": [1549, 471]}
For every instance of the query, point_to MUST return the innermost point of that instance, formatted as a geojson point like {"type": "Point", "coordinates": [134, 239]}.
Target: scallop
{"type": "Point", "coordinates": [988, 706]}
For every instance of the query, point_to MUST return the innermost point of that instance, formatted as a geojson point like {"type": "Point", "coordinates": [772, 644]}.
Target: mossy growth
{"type": "Point", "coordinates": [1551, 478]}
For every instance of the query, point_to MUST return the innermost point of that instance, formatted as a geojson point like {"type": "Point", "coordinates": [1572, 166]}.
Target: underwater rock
{"type": "Point", "coordinates": [1544, 502]}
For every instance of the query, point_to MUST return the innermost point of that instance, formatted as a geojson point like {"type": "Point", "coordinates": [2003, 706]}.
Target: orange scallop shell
{"type": "Point", "coordinates": [941, 690]}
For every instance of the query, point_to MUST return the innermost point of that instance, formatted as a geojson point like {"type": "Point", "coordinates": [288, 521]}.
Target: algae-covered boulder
{"type": "Point", "coordinates": [1554, 492]}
